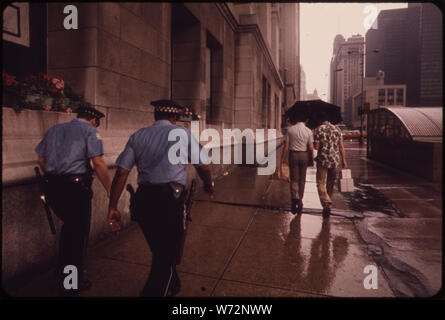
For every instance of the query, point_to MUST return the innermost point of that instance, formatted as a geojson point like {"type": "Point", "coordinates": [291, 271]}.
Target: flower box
{"type": "Point", "coordinates": [38, 102]}
{"type": "Point", "coordinates": [41, 92]}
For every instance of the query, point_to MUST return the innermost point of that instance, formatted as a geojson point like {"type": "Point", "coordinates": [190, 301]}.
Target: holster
{"type": "Point", "coordinates": [177, 190]}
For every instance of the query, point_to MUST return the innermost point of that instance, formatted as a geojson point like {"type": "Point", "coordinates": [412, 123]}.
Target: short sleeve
{"type": "Point", "coordinates": [127, 158]}
{"type": "Point", "coordinates": [41, 148]}
{"type": "Point", "coordinates": [311, 137]}
{"type": "Point", "coordinates": [94, 144]}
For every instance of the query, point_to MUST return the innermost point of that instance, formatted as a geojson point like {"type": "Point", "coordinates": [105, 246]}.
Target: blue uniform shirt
{"type": "Point", "coordinates": [67, 147]}
{"type": "Point", "coordinates": [149, 147]}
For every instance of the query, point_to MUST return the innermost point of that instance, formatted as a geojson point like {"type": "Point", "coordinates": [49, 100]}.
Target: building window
{"type": "Point", "coordinates": [399, 96]}
{"type": "Point", "coordinates": [265, 110]}
{"type": "Point", "coordinates": [24, 39]}
{"type": "Point", "coordinates": [16, 23]}
{"type": "Point", "coordinates": [381, 97]}
{"type": "Point", "coordinates": [277, 112]}
{"type": "Point", "coordinates": [391, 96]}
{"type": "Point", "coordinates": [269, 106]}
{"type": "Point", "coordinates": [264, 98]}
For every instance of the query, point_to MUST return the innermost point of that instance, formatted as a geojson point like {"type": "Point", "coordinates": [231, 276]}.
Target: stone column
{"type": "Point", "coordinates": [244, 81]}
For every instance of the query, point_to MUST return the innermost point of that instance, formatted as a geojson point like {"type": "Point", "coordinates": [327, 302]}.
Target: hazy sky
{"type": "Point", "coordinates": [319, 24]}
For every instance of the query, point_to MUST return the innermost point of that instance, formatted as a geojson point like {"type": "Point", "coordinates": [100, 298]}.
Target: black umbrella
{"type": "Point", "coordinates": [312, 108]}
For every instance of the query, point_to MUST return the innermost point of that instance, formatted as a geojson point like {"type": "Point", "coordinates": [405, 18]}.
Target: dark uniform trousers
{"type": "Point", "coordinates": [70, 198]}
{"type": "Point", "coordinates": [160, 216]}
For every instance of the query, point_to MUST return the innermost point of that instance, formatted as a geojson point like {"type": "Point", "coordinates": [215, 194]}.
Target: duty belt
{"type": "Point", "coordinates": [176, 188]}
{"type": "Point", "coordinates": [76, 178]}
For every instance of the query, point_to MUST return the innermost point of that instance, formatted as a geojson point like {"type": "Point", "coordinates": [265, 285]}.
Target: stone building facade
{"type": "Point", "coordinates": [346, 72]}
{"type": "Point", "coordinates": [236, 64]}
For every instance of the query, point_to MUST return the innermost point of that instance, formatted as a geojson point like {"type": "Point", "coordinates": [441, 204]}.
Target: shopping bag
{"type": "Point", "coordinates": [346, 182]}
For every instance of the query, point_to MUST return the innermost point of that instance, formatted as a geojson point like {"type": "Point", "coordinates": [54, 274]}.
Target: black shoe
{"type": "Point", "coordinates": [294, 208]}
{"type": "Point", "coordinates": [326, 212]}
{"type": "Point", "coordinates": [300, 207]}
{"type": "Point", "coordinates": [174, 288]}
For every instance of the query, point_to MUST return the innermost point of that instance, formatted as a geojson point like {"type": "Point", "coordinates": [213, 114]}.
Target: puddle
{"type": "Point", "coordinates": [368, 199]}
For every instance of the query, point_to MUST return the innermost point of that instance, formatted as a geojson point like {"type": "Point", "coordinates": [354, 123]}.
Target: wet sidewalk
{"type": "Point", "coordinates": [244, 242]}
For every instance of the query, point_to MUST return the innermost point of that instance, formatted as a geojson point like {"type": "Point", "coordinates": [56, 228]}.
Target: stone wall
{"type": "Point", "coordinates": [27, 243]}
{"type": "Point", "coordinates": [121, 57]}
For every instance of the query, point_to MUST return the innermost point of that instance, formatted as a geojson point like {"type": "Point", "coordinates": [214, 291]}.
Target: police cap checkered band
{"type": "Point", "coordinates": [167, 106]}
{"type": "Point", "coordinates": [91, 111]}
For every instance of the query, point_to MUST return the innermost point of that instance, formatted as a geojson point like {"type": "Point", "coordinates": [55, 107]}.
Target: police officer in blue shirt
{"type": "Point", "coordinates": [159, 202]}
{"type": "Point", "coordinates": [64, 156]}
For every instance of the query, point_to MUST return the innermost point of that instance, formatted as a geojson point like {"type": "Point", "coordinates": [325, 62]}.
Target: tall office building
{"type": "Point", "coordinates": [346, 73]}
{"type": "Point", "coordinates": [410, 51]}
{"type": "Point", "coordinates": [431, 56]}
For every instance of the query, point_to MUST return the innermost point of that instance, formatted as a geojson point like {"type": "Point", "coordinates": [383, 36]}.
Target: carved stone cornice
{"type": "Point", "coordinates": [254, 29]}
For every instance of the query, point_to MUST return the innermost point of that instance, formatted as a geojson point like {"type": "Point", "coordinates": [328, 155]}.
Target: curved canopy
{"type": "Point", "coordinates": [420, 123]}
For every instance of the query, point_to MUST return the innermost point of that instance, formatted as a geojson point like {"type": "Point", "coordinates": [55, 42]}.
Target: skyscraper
{"type": "Point", "coordinates": [431, 81]}
{"type": "Point", "coordinates": [410, 51]}
{"type": "Point", "coordinates": [346, 73]}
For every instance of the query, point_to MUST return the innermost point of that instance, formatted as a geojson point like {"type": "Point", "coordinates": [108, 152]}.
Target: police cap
{"type": "Point", "coordinates": [88, 109]}
{"type": "Point", "coordinates": [167, 106]}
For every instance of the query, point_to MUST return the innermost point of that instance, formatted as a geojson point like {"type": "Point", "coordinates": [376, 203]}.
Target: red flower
{"type": "Point", "coordinates": [54, 90]}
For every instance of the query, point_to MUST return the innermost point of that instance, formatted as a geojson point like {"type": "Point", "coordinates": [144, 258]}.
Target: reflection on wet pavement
{"type": "Point", "coordinates": [366, 198]}
{"type": "Point", "coordinates": [321, 253]}
{"type": "Point", "coordinates": [255, 247]}
{"type": "Point", "coordinates": [244, 242]}
{"type": "Point", "coordinates": [305, 253]}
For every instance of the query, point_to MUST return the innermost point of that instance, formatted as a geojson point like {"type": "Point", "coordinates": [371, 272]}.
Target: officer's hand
{"type": "Point", "coordinates": [114, 219]}
{"type": "Point", "coordinates": [210, 188]}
